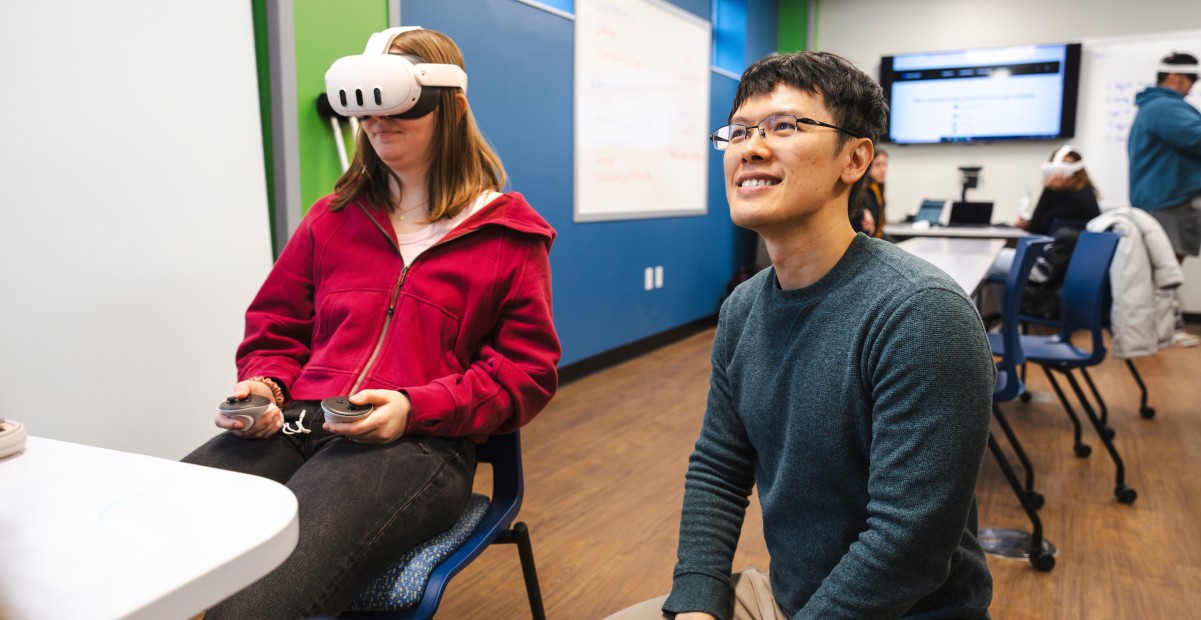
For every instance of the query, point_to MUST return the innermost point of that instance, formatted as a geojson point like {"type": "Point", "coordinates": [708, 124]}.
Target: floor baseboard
{"type": "Point", "coordinates": [624, 353]}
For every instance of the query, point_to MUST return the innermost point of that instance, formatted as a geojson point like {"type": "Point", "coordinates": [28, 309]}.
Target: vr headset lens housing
{"type": "Point", "coordinates": [1057, 165]}
{"type": "Point", "coordinates": [381, 84]}
{"type": "Point", "coordinates": [1053, 168]}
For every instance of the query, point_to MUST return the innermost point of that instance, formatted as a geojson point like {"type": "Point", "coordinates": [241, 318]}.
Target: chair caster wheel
{"type": "Point", "coordinates": [1108, 432]}
{"type": "Point", "coordinates": [1083, 450]}
{"type": "Point", "coordinates": [1042, 562]}
{"type": "Point", "coordinates": [1125, 494]}
{"type": "Point", "coordinates": [1025, 396]}
{"type": "Point", "coordinates": [1035, 499]}
{"type": "Point", "coordinates": [1147, 412]}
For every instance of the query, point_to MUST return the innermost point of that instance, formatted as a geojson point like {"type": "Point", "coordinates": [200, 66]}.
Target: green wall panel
{"type": "Point", "coordinates": [794, 23]}
{"type": "Point", "coordinates": [326, 31]}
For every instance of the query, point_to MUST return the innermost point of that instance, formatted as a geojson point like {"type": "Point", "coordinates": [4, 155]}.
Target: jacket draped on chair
{"type": "Point", "coordinates": [1144, 277]}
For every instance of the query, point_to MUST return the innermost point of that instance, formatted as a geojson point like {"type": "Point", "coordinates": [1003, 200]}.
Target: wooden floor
{"type": "Point", "coordinates": [604, 481]}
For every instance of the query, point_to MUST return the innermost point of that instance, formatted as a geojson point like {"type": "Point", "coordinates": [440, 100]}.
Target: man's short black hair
{"type": "Point", "coordinates": [855, 99]}
{"type": "Point", "coordinates": [1177, 58]}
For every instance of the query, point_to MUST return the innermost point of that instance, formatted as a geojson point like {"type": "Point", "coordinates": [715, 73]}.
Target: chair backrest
{"type": "Point", "coordinates": [1084, 287]}
{"type": "Point", "coordinates": [1025, 254]}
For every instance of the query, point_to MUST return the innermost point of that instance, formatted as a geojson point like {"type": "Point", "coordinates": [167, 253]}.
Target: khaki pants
{"type": "Point", "coordinates": [753, 600]}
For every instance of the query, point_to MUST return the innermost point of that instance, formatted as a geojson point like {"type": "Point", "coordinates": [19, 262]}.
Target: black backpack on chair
{"type": "Point", "coordinates": [1041, 298]}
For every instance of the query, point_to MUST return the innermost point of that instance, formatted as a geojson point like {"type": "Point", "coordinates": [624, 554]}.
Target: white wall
{"type": "Point", "coordinates": [865, 30]}
{"type": "Point", "coordinates": [133, 224]}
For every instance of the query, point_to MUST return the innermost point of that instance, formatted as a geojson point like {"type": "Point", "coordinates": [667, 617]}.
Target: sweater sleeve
{"type": "Point", "coordinates": [931, 376]}
{"type": "Point", "coordinates": [515, 374]}
{"type": "Point", "coordinates": [716, 491]}
{"type": "Point", "coordinates": [279, 322]}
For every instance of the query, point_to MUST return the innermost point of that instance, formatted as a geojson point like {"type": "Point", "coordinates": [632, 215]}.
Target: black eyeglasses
{"type": "Point", "coordinates": [779, 125]}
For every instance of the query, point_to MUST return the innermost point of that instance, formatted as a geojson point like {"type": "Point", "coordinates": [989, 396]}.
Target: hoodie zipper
{"type": "Point", "coordinates": [379, 343]}
{"type": "Point", "coordinates": [383, 332]}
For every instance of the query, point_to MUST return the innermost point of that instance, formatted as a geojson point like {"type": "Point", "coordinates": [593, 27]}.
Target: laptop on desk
{"type": "Point", "coordinates": [930, 212]}
{"type": "Point", "coordinates": [971, 214]}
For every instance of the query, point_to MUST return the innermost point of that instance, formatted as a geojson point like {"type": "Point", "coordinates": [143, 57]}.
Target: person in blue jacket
{"type": "Point", "coordinates": [1165, 154]}
{"type": "Point", "coordinates": [1165, 161]}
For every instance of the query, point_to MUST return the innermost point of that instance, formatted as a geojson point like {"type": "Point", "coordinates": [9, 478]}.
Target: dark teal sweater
{"type": "Point", "coordinates": [860, 407]}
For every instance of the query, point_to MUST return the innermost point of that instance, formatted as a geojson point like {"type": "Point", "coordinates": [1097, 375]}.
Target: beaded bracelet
{"type": "Point", "coordinates": [276, 392]}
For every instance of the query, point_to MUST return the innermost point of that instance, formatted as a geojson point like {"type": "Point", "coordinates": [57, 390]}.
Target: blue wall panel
{"type": "Point", "coordinates": [520, 67]}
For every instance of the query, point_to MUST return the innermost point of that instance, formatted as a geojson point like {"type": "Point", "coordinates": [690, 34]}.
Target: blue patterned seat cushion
{"type": "Point", "coordinates": [402, 584]}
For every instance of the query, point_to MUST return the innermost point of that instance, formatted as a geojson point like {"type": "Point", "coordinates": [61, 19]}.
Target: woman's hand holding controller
{"type": "Point", "coordinates": [268, 424]}
{"type": "Point", "coordinates": [386, 423]}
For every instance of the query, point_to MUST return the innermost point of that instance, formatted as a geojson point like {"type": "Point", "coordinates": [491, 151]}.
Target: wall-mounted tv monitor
{"type": "Point", "coordinates": [1020, 92]}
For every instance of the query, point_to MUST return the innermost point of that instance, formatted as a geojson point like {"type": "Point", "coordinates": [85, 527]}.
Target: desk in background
{"type": "Point", "coordinates": [908, 230]}
{"type": "Point", "coordinates": [92, 533]}
{"type": "Point", "coordinates": [967, 261]}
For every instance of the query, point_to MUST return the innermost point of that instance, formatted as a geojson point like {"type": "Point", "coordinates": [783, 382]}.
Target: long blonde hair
{"type": "Point", "coordinates": [463, 164]}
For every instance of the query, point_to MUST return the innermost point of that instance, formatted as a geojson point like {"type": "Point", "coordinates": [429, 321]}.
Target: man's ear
{"type": "Point", "coordinates": [861, 152]}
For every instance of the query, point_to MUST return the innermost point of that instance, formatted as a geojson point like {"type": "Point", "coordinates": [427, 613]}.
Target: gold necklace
{"type": "Point", "coordinates": [405, 212]}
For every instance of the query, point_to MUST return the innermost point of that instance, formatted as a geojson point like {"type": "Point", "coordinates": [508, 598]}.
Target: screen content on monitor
{"type": "Point", "coordinates": [1008, 93]}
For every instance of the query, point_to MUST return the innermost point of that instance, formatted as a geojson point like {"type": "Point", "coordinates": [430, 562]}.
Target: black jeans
{"type": "Point", "coordinates": [361, 507]}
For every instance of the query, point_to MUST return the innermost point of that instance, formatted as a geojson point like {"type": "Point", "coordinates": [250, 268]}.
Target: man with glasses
{"type": "Point", "coordinates": [852, 384]}
{"type": "Point", "coordinates": [1165, 160]}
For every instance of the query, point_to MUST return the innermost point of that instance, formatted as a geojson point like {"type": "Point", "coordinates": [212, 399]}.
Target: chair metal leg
{"type": "Point", "coordinates": [1081, 449]}
{"type": "Point", "coordinates": [1125, 494]}
{"type": "Point", "coordinates": [1102, 410]}
{"type": "Point", "coordinates": [520, 536]}
{"type": "Point", "coordinates": [1041, 553]}
{"type": "Point", "coordinates": [1143, 409]}
{"type": "Point", "coordinates": [1036, 499]}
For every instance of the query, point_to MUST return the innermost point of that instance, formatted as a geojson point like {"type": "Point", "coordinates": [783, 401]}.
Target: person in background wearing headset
{"type": "Point", "coordinates": [852, 384]}
{"type": "Point", "coordinates": [417, 288]}
{"type": "Point", "coordinates": [1164, 147]}
{"type": "Point", "coordinates": [868, 215]}
{"type": "Point", "coordinates": [1068, 194]}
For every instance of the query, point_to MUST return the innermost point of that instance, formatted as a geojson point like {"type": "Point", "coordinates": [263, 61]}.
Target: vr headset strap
{"type": "Point", "coordinates": [381, 41]}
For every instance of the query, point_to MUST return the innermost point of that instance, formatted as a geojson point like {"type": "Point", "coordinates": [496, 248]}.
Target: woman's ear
{"type": "Point", "coordinates": [461, 103]}
{"type": "Point", "coordinates": [860, 157]}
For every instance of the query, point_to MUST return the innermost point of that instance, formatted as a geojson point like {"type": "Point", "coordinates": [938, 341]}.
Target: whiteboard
{"type": "Point", "coordinates": [1112, 72]}
{"type": "Point", "coordinates": [641, 110]}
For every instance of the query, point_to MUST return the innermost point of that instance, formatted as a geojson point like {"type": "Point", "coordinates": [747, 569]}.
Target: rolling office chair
{"type": "Point", "coordinates": [1007, 347]}
{"type": "Point", "coordinates": [412, 587]}
{"type": "Point", "coordinates": [1144, 409]}
{"type": "Point", "coordinates": [1083, 295]}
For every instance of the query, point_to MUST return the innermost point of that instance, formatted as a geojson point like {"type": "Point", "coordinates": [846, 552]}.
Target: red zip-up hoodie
{"type": "Point", "coordinates": [466, 330]}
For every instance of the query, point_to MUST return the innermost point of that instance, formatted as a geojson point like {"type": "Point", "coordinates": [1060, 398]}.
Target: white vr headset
{"type": "Point", "coordinates": [376, 83]}
{"type": "Point", "coordinates": [1192, 69]}
{"type": "Point", "coordinates": [1058, 166]}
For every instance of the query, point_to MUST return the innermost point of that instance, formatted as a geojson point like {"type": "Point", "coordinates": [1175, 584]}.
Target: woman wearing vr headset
{"type": "Point", "coordinates": [416, 288]}
{"type": "Point", "coordinates": [1068, 194]}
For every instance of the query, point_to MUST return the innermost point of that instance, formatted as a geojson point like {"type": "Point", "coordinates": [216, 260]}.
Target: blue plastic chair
{"type": "Point", "coordinates": [495, 526]}
{"type": "Point", "coordinates": [1082, 303]}
{"type": "Point", "coordinates": [1144, 410]}
{"type": "Point", "coordinates": [1007, 348]}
